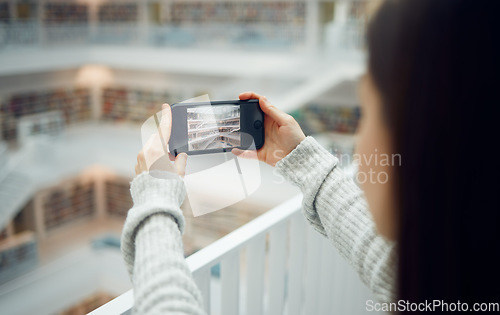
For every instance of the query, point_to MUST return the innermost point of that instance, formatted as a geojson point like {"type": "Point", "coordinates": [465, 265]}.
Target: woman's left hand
{"type": "Point", "coordinates": [154, 156]}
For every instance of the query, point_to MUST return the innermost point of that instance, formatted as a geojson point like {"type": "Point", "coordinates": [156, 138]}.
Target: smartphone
{"type": "Point", "coordinates": [219, 126]}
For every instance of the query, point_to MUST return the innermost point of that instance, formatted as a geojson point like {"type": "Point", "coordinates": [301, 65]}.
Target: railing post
{"type": "Point", "coordinates": [337, 288]}
{"type": "Point", "coordinates": [255, 259]}
{"type": "Point", "coordinates": [230, 283]}
{"type": "Point", "coordinates": [313, 258]}
{"type": "Point", "coordinates": [326, 279]}
{"type": "Point", "coordinates": [296, 259]}
{"type": "Point", "coordinates": [202, 279]}
{"type": "Point", "coordinates": [277, 264]}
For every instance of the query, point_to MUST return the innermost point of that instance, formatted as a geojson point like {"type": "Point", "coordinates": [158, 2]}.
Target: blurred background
{"type": "Point", "coordinates": [79, 77]}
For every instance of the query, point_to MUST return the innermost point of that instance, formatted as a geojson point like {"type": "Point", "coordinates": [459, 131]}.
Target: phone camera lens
{"type": "Point", "coordinates": [257, 124]}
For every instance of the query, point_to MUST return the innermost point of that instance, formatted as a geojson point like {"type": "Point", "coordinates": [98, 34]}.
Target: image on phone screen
{"type": "Point", "coordinates": [213, 127]}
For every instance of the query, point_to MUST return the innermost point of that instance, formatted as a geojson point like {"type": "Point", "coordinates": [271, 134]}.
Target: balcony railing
{"type": "Point", "coordinates": [16, 34]}
{"type": "Point", "coordinates": [275, 264]}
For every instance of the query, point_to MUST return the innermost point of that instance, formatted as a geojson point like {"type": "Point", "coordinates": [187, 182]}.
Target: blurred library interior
{"type": "Point", "coordinates": [79, 77]}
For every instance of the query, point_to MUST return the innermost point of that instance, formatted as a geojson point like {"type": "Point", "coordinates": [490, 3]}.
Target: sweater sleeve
{"type": "Point", "coordinates": [335, 206]}
{"type": "Point", "coordinates": [153, 252]}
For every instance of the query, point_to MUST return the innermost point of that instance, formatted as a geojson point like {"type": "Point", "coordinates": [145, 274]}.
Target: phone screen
{"type": "Point", "coordinates": [213, 127]}
{"type": "Point", "coordinates": [218, 126]}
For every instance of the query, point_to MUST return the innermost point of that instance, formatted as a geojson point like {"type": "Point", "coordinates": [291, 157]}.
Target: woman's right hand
{"type": "Point", "coordinates": [282, 133]}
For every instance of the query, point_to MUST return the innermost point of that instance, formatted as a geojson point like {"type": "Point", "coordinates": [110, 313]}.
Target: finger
{"type": "Point", "coordinates": [245, 154]}
{"type": "Point", "coordinates": [249, 95]}
{"type": "Point", "coordinates": [180, 164]}
{"type": "Point", "coordinates": [276, 114]}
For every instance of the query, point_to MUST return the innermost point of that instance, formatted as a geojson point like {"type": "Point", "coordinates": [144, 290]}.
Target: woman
{"type": "Point", "coordinates": [430, 231]}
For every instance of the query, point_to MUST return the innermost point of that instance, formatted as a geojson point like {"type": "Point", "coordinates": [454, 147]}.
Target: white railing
{"type": "Point", "coordinates": [275, 264]}
{"type": "Point", "coordinates": [267, 36]}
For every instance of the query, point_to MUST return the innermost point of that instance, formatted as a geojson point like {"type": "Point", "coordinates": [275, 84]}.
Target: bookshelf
{"type": "Point", "coordinates": [270, 24]}
{"type": "Point", "coordinates": [74, 103]}
{"type": "Point", "coordinates": [67, 202]}
{"type": "Point", "coordinates": [131, 104]}
{"type": "Point", "coordinates": [66, 22]}
{"type": "Point", "coordinates": [4, 12]}
{"type": "Point", "coordinates": [65, 13]}
{"type": "Point", "coordinates": [118, 199]}
{"type": "Point", "coordinates": [24, 220]}
{"type": "Point", "coordinates": [18, 254]}
{"type": "Point", "coordinates": [205, 23]}
{"type": "Point", "coordinates": [117, 23]}
{"type": "Point", "coordinates": [3, 234]}
{"type": "Point", "coordinates": [118, 12]}
{"type": "Point", "coordinates": [26, 10]}
{"type": "Point", "coordinates": [238, 12]}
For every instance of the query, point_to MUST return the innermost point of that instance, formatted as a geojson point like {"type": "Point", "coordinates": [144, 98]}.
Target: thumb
{"type": "Point", "coordinates": [276, 114]}
{"type": "Point", "coordinates": [180, 164]}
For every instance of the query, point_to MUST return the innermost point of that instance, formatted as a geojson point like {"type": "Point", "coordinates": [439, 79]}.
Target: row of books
{"type": "Point", "coordinates": [22, 11]}
{"type": "Point", "coordinates": [114, 12]}
{"type": "Point", "coordinates": [70, 12]}
{"type": "Point", "coordinates": [60, 12]}
{"type": "Point", "coordinates": [118, 199]}
{"type": "Point", "coordinates": [4, 12]}
{"type": "Point", "coordinates": [118, 104]}
{"type": "Point", "coordinates": [267, 24]}
{"type": "Point", "coordinates": [68, 202]}
{"type": "Point", "coordinates": [66, 12]}
{"type": "Point", "coordinates": [278, 12]}
{"type": "Point", "coordinates": [73, 103]}
{"type": "Point", "coordinates": [275, 12]}
{"type": "Point", "coordinates": [136, 105]}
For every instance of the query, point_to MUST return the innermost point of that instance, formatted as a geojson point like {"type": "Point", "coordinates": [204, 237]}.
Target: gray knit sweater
{"type": "Point", "coordinates": [333, 204]}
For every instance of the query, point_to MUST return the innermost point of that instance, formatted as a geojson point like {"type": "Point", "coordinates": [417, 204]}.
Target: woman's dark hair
{"type": "Point", "coordinates": [436, 65]}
